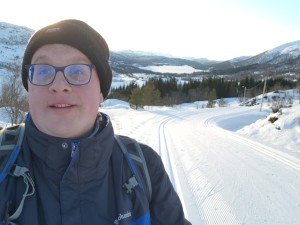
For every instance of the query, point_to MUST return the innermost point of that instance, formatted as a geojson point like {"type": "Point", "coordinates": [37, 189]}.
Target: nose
{"type": "Point", "coordinates": [60, 84]}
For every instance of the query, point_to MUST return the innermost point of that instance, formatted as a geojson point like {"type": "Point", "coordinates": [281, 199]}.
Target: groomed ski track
{"type": "Point", "coordinates": [221, 177]}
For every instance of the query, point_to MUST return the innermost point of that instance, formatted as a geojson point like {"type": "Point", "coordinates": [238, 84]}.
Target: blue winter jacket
{"type": "Point", "coordinates": [79, 182]}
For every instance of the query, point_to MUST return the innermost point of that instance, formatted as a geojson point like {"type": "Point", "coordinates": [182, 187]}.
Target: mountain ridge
{"type": "Point", "coordinates": [279, 60]}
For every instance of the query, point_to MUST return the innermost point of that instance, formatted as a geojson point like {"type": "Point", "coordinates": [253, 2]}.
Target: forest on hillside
{"type": "Point", "coordinates": [156, 91]}
{"type": "Point", "coordinates": [171, 92]}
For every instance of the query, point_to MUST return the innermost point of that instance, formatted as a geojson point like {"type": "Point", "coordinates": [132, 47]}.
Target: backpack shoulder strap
{"type": "Point", "coordinates": [11, 139]}
{"type": "Point", "coordinates": [10, 144]}
{"type": "Point", "coordinates": [136, 160]}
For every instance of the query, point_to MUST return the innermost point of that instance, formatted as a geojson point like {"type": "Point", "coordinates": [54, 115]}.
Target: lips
{"type": "Point", "coordinates": [61, 106]}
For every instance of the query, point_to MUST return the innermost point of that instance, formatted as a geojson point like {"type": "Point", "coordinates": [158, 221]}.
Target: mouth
{"type": "Point", "coordinates": [61, 107]}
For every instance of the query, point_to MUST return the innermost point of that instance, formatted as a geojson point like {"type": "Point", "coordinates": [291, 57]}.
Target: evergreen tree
{"type": "Point", "coordinates": [147, 95]}
{"type": "Point", "coordinates": [212, 96]}
{"type": "Point", "coordinates": [136, 98]}
{"type": "Point", "coordinates": [151, 96]}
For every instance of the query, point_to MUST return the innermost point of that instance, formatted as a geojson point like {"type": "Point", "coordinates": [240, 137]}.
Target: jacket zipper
{"type": "Point", "coordinates": [74, 147]}
{"type": "Point", "coordinates": [74, 150]}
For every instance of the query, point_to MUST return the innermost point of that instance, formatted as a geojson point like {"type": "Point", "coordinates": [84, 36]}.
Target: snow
{"type": "Point", "coordinates": [289, 48]}
{"type": "Point", "coordinates": [171, 69]}
{"type": "Point", "coordinates": [121, 80]}
{"type": "Point", "coordinates": [229, 165]}
{"type": "Point", "coordinates": [13, 41]}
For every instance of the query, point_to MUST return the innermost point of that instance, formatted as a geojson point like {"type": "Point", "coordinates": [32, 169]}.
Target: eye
{"type": "Point", "coordinates": [41, 74]}
{"type": "Point", "coordinates": [43, 71]}
{"type": "Point", "coordinates": [77, 74]}
{"type": "Point", "coordinates": [75, 70]}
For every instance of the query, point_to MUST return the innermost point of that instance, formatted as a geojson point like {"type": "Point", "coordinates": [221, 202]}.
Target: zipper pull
{"type": "Point", "coordinates": [74, 145]}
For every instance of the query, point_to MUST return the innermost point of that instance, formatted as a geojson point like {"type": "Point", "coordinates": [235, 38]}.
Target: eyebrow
{"type": "Point", "coordinates": [43, 58]}
{"type": "Point", "coordinates": [40, 58]}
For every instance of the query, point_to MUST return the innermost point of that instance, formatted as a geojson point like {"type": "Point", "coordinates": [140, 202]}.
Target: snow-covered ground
{"type": "Point", "coordinates": [230, 165]}
{"type": "Point", "coordinates": [171, 69]}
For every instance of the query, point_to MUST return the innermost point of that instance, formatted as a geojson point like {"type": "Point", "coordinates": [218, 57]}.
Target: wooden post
{"type": "Point", "coordinates": [263, 95]}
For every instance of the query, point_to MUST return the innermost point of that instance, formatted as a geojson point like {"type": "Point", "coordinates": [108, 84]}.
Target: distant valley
{"type": "Point", "coordinates": [281, 61]}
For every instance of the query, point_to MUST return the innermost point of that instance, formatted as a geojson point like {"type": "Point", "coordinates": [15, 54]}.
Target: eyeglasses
{"type": "Point", "coordinates": [44, 74]}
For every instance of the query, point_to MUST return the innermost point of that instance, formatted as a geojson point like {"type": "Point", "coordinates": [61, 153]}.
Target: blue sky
{"type": "Point", "coordinates": [215, 29]}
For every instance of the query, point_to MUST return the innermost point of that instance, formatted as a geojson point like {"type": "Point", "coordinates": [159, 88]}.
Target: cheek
{"type": "Point", "coordinates": [32, 103]}
{"type": "Point", "coordinates": [35, 98]}
{"type": "Point", "coordinates": [94, 91]}
{"type": "Point", "coordinates": [93, 99]}
{"type": "Point", "coordinates": [35, 109]}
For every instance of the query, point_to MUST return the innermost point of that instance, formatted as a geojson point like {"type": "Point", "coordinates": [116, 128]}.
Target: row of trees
{"type": "Point", "coordinates": [170, 91]}
{"type": "Point", "coordinates": [13, 99]}
{"type": "Point", "coordinates": [162, 91]}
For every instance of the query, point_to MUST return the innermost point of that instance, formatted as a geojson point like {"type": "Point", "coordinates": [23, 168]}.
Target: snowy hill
{"type": "Point", "coordinates": [281, 54]}
{"type": "Point", "coordinates": [130, 65]}
{"type": "Point", "coordinates": [13, 40]}
{"type": "Point", "coordinates": [274, 62]}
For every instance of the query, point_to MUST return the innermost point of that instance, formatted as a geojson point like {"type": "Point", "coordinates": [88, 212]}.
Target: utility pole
{"type": "Point", "coordinates": [263, 95]}
{"type": "Point", "coordinates": [245, 89]}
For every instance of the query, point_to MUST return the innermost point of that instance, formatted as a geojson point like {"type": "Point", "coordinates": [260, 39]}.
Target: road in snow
{"type": "Point", "coordinates": [222, 178]}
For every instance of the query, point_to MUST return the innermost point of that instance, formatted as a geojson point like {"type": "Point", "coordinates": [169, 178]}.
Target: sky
{"type": "Point", "coordinates": [229, 165]}
{"type": "Point", "coordinates": [215, 29]}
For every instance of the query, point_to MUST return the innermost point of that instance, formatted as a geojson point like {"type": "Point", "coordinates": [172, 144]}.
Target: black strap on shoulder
{"type": "Point", "coordinates": [10, 144]}
{"type": "Point", "coordinates": [135, 157]}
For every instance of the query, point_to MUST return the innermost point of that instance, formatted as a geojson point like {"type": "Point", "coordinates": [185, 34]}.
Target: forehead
{"type": "Point", "coordinates": [56, 53]}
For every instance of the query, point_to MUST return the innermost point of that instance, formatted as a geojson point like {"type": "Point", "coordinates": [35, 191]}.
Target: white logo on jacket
{"type": "Point", "coordinates": [122, 217]}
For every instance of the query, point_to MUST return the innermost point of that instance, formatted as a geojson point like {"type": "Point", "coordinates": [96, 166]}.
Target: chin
{"type": "Point", "coordinates": [62, 131]}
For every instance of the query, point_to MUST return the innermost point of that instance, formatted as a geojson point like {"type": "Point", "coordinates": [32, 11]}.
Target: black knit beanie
{"type": "Point", "coordinates": [78, 35]}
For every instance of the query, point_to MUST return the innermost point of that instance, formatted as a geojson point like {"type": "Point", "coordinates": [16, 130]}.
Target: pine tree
{"type": "Point", "coordinates": [212, 96]}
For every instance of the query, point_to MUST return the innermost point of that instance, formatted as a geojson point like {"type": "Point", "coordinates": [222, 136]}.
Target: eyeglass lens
{"type": "Point", "coordinates": [76, 74]}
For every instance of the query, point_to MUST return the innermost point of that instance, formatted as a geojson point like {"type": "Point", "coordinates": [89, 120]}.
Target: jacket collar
{"type": "Point", "coordinates": [53, 155]}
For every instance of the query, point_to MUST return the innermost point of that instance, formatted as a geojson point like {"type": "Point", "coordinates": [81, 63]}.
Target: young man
{"type": "Point", "coordinates": [74, 171]}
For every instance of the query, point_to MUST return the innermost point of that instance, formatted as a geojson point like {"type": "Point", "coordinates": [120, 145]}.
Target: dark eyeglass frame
{"type": "Point", "coordinates": [58, 69]}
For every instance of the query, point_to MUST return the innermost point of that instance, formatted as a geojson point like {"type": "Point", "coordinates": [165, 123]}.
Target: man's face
{"type": "Point", "coordinates": [61, 109]}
